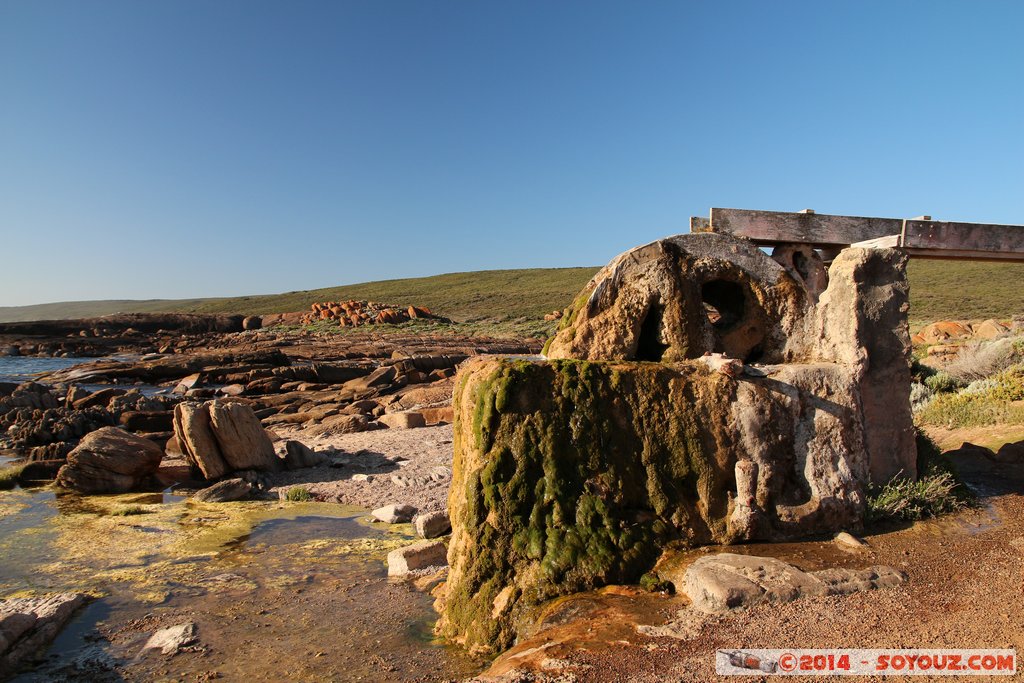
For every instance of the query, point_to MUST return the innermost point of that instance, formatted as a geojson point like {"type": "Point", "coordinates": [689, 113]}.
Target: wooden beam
{"type": "Point", "coordinates": [816, 229]}
{"type": "Point", "coordinates": [887, 242]}
{"type": "Point", "coordinates": [997, 241]}
{"type": "Point", "coordinates": [700, 224]}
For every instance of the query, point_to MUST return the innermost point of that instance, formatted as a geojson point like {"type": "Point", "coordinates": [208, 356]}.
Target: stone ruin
{"type": "Point", "coordinates": [698, 391]}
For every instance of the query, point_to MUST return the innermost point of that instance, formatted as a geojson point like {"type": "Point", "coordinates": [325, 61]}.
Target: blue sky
{"type": "Point", "coordinates": [178, 149]}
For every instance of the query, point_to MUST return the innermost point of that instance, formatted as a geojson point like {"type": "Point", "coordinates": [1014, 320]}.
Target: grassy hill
{"type": "Point", "coordinates": [939, 290]}
{"type": "Point", "coordinates": [482, 295]}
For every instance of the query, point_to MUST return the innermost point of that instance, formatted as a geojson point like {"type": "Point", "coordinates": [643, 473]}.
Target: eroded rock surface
{"type": "Point", "coordinates": [219, 438]}
{"type": "Point", "coordinates": [726, 581]}
{"type": "Point", "coordinates": [110, 460]}
{"type": "Point", "coordinates": [29, 624]}
{"type": "Point", "coordinates": [698, 390]}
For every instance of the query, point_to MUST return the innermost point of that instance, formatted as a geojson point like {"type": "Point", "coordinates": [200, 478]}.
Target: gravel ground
{"type": "Point", "coordinates": [405, 466]}
{"type": "Point", "coordinates": [965, 590]}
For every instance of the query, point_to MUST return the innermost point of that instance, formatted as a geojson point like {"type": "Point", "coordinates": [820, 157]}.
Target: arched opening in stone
{"type": "Point", "coordinates": [724, 303]}
{"type": "Point", "coordinates": [650, 346]}
{"type": "Point", "coordinates": [801, 265]}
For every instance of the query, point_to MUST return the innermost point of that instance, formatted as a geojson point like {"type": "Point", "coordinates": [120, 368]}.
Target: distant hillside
{"type": "Point", "coordinates": [964, 290]}
{"type": "Point", "coordinates": [488, 294]}
{"type": "Point", "coordinates": [939, 290]}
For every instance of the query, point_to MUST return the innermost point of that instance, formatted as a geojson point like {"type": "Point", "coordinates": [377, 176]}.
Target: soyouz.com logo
{"type": "Point", "coordinates": [750, 662]}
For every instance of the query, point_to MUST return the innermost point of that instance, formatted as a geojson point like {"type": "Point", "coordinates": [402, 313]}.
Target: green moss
{"type": "Point", "coordinates": [571, 313]}
{"type": "Point", "coordinates": [129, 510]}
{"type": "Point", "coordinates": [582, 470]}
{"type": "Point", "coordinates": [10, 476]}
{"type": "Point", "coordinates": [652, 583]}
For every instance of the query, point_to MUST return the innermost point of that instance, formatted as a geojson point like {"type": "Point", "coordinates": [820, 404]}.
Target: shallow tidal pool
{"type": "Point", "coordinates": [278, 591]}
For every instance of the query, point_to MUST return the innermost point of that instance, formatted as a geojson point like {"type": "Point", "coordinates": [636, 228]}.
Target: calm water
{"type": "Point", "coordinates": [21, 368]}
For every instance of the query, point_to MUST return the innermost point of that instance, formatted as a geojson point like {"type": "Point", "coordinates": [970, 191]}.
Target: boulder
{"type": "Point", "coordinates": [943, 330]}
{"type": "Point", "coordinates": [442, 415]}
{"type": "Point", "coordinates": [171, 640]}
{"type": "Point", "coordinates": [147, 421]}
{"type": "Point", "coordinates": [40, 470]}
{"type": "Point", "coordinates": [110, 460]}
{"type": "Point", "coordinates": [244, 444]}
{"type": "Point", "coordinates": [407, 420]}
{"type": "Point", "coordinates": [28, 625]}
{"type": "Point", "coordinates": [726, 581]}
{"type": "Point", "coordinates": [381, 377]}
{"type": "Point", "coordinates": [394, 514]}
{"type": "Point", "coordinates": [339, 424]}
{"type": "Point", "coordinates": [432, 525]}
{"type": "Point", "coordinates": [194, 433]}
{"type": "Point", "coordinates": [298, 456]}
{"type": "Point", "coordinates": [193, 381]}
{"type": "Point", "coordinates": [97, 398]}
{"type": "Point", "coordinates": [417, 557]}
{"type": "Point", "coordinates": [252, 322]}
{"type": "Point", "coordinates": [1009, 453]}
{"type": "Point", "coordinates": [224, 491]}
{"type": "Point", "coordinates": [990, 329]}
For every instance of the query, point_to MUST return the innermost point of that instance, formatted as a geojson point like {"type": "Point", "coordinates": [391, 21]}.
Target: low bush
{"type": "Point", "coordinates": [920, 395]}
{"type": "Point", "coordinates": [298, 494]}
{"type": "Point", "coordinates": [995, 400]}
{"type": "Point", "coordinates": [938, 490]}
{"type": "Point", "coordinates": [943, 383]}
{"type": "Point", "coordinates": [984, 359]}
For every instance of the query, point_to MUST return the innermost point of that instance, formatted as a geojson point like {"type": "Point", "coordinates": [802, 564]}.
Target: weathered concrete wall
{"type": "Point", "coordinates": [575, 472]}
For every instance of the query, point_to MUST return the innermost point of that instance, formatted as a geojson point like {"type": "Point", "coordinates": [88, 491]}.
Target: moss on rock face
{"type": "Point", "coordinates": [573, 474]}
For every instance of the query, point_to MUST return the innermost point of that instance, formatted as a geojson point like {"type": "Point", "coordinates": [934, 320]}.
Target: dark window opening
{"type": "Point", "coordinates": [724, 303]}
{"type": "Point", "coordinates": [650, 347]}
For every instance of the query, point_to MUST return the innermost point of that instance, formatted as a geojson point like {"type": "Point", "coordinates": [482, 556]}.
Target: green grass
{"type": "Point", "coordinates": [298, 494]}
{"type": "Point", "coordinates": [939, 290]}
{"type": "Point", "coordinates": [964, 290]}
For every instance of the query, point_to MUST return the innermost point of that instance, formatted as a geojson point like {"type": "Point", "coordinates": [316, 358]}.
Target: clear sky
{"type": "Point", "coordinates": [178, 149]}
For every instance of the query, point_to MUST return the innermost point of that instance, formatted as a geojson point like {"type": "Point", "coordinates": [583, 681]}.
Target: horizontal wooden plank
{"type": "Point", "coordinates": [999, 241]}
{"type": "Point", "coordinates": [887, 242]}
{"type": "Point", "coordinates": [820, 230]}
{"type": "Point", "coordinates": [963, 255]}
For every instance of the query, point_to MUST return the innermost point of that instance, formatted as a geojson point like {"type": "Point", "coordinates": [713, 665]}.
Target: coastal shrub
{"type": "Point", "coordinates": [1009, 384]}
{"type": "Point", "coordinates": [919, 396]}
{"type": "Point", "coordinates": [980, 386]}
{"type": "Point", "coordinates": [978, 361]}
{"type": "Point", "coordinates": [969, 410]}
{"type": "Point", "coordinates": [9, 476]}
{"type": "Point", "coordinates": [942, 383]}
{"type": "Point", "coordinates": [298, 494]}
{"type": "Point", "coordinates": [938, 489]}
{"type": "Point", "coordinates": [919, 371]}
{"type": "Point", "coordinates": [998, 400]}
